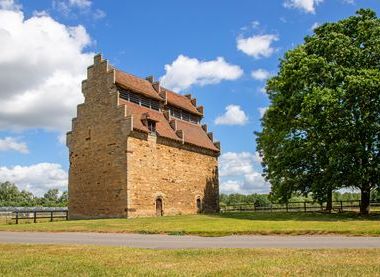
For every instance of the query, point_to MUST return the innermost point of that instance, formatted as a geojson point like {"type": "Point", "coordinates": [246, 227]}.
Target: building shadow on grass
{"type": "Point", "coordinates": [298, 216]}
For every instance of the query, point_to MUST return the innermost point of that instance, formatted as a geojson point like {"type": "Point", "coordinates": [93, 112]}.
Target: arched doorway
{"type": "Point", "coordinates": [159, 210]}
{"type": "Point", "coordinates": [199, 205]}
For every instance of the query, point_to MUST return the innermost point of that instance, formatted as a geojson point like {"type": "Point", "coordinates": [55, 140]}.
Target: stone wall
{"type": "Point", "coordinates": [97, 145]}
{"type": "Point", "coordinates": [118, 172]}
{"type": "Point", "coordinates": [175, 175]}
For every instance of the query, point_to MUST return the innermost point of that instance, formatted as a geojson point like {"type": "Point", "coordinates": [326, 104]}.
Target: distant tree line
{"type": "Point", "coordinates": [260, 200]}
{"type": "Point", "coordinates": [263, 200]}
{"type": "Point", "coordinates": [11, 196]}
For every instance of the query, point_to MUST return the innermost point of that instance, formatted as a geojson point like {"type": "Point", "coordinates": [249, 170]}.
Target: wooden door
{"type": "Point", "coordinates": [158, 207]}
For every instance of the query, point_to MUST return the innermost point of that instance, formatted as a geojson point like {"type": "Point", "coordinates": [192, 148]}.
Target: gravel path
{"type": "Point", "coordinates": [179, 242]}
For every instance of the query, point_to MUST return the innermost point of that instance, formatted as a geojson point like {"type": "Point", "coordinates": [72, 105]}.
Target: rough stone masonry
{"type": "Point", "coordinates": [139, 149]}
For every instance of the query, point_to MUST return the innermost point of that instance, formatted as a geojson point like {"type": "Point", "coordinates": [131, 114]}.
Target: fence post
{"type": "Point", "coordinates": [271, 207]}
{"type": "Point", "coordinates": [67, 215]}
{"type": "Point", "coordinates": [34, 216]}
{"type": "Point", "coordinates": [287, 207]}
{"type": "Point", "coordinates": [304, 205]}
{"type": "Point", "coordinates": [51, 216]}
{"type": "Point", "coordinates": [341, 206]}
{"type": "Point", "coordinates": [17, 217]}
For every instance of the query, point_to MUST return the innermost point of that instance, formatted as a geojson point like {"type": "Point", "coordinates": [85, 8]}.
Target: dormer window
{"type": "Point", "coordinates": [149, 123]}
{"type": "Point", "coordinates": [139, 99]}
{"type": "Point", "coordinates": [151, 126]}
{"type": "Point", "coordinates": [183, 115]}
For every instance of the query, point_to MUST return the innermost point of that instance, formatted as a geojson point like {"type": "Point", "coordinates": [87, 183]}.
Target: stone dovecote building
{"type": "Point", "coordinates": [139, 149]}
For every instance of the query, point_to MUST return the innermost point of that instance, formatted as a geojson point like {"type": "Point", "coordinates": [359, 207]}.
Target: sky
{"type": "Point", "coordinates": [222, 52]}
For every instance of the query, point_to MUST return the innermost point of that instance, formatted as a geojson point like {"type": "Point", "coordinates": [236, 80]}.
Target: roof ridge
{"type": "Point", "coordinates": [133, 75]}
{"type": "Point", "coordinates": [145, 80]}
{"type": "Point", "coordinates": [176, 93]}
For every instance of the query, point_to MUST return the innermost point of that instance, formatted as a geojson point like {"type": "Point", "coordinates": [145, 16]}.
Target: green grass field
{"type": "Point", "coordinates": [219, 225]}
{"type": "Point", "coordinates": [58, 260]}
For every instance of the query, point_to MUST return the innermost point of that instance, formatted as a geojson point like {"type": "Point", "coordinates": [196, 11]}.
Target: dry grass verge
{"type": "Point", "coordinates": [219, 225]}
{"type": "Point", "coordinates": [58, 260]}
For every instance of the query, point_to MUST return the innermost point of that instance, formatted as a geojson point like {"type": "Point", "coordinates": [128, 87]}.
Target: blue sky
{"type": "Point", "coordinates": [220, 51]}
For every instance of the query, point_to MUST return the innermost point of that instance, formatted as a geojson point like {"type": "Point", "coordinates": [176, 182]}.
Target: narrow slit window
{"type": "Point", "coordinates": [88, 135]}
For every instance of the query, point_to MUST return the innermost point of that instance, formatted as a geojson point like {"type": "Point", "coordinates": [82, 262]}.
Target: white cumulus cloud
{"type": "Point", "coordinates": [263, 90]}
{"type": "Point", "coordinates": [37, 178]}
{"type": "Point", "coordinates": [10, 5]}
{"type": "Point", "coordinates": [240, 173]}
{"type": "Point", "coordinates": [13, 144]}
{"type": "Point", "coordinates": [80, 3]}
{"type": "Point", "coordinates": [234, 115]}
{"type": "Point", "coordinates": [255, 182]}
{"type": "Point", "coordinates": [41, 68]}
{"type": "Point", "coordinates": [185, 72]}
{"type": "Point", "coordinates": [314, 26]}
{"type": "Point", "coordinates": [262, 110]}
{"type": "Point", "coordinates": [77, 8]}
{"type": "Point", "coordinates": [257, 46]}
{"type": "Point", "coordinates": [231, 186]}
{"type": "Point", "coordinates": [232, 163]}
{"type": "Point", "coordinates": [307, 6]}
{"type": "Point", "coordinates": [98, 14]}
{"type": "Point", "coordinates": [260, 74]}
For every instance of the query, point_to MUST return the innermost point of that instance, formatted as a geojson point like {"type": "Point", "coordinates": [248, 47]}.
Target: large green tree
{"type": "Point", "coordinates": [321, 130]}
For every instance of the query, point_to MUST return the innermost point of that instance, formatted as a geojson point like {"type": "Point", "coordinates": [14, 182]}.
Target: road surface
{"type": "Point", "coordinates": [179, 242]}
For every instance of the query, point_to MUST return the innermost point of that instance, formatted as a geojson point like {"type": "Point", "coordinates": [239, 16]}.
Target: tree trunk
{"type": "Point", "coordinates": [365, 200]}
{"type": "Point", "coordinates": [329, 200]}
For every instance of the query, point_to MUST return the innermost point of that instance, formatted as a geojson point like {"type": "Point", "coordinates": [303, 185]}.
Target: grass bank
{"type": "Point", "coordinates": [219, 225]}
{"type": "Point", "coordinates": [57, 260]}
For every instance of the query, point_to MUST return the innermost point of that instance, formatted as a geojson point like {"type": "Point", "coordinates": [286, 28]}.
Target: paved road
{"type": "Point", "coordinates": [175, 242]}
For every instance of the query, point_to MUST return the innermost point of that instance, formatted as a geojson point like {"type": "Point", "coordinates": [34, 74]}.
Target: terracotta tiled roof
{"type": "Point", "coordinates": [162, 125]}
{"type": "Point", "coordinates": [136, 84]}
{"type": "Point", "coordinates": [145, 87]}
{"type": "Point", "coordinates": [194, 134]}
{"type": "Point", "coordinates": [181, 101]}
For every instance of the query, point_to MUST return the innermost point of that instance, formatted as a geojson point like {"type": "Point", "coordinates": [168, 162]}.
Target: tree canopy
{"type": "Point", "coordinates": [11, 196]}
{"type": "Point", "coordinates": [321, 130]}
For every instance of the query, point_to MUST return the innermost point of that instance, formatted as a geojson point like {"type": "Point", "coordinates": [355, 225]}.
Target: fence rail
{"type": "Point", "coordinates": [39, 214]}
{"type": "Point", "coordinates": [305, 206]}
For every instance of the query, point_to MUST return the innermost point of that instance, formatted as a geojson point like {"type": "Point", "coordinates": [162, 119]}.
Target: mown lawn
{"type": "Point", "coordinates": [219, 225]}
{"type": "Point", "coordinates": [58, 260]}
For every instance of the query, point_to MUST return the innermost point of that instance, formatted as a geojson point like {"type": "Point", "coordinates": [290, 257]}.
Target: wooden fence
{"type": "Point", "coordinates": [39, 214]}
{"type": "Point", "coordinates": [305, 206]}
